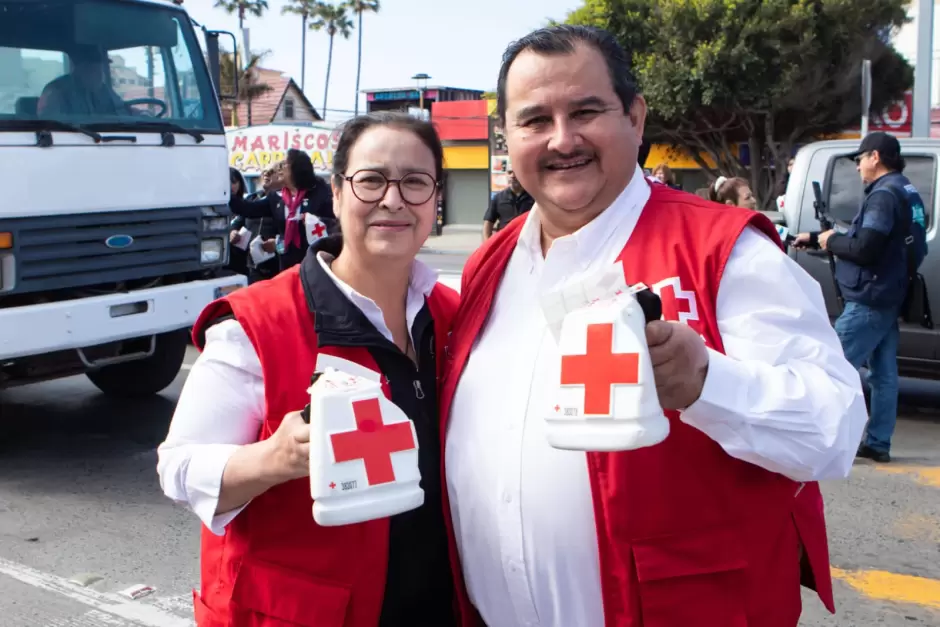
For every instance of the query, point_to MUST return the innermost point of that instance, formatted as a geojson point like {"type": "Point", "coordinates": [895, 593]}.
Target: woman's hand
{"type": "Point", "coordinates": [256, 468]}
{"type": "Point", "coordinates": [290, 448]}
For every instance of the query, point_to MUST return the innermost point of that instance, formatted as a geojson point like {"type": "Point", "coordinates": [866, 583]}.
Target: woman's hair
{"type": "Point", "coordinates": [725, 190]}
{"type": "Point", "coordinates": [356, 127]}
{"type": "Point", "coordinates": [234, 176]}
{"type": "Point", "coordinates": [668, 176]}
{"type": "Point", "coordinates": [301, 169]}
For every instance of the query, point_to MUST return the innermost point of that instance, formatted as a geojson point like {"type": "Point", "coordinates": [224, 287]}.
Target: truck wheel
{"type": "Point", "coordinates": [144, 377]}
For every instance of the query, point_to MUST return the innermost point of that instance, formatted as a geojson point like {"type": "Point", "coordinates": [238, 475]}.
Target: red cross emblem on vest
{"type": "Point", "coordinates": [318, 230]}
{"type": "Point", "coordinates": [599, 369]}
{"type": "Point", "coordinates": [373, 441]}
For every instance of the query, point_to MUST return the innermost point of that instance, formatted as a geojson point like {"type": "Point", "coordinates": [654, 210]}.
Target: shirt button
{"type": "Point", "coordinates": [507, 497]}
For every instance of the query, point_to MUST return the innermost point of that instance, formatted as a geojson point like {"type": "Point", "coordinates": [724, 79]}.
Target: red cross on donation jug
{"type": "Point", "coordinates": [363, 451]}
{"type": "Point", "coordinates": [606, 397]}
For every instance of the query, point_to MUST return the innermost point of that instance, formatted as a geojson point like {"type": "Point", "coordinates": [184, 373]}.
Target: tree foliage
{"type": "Point", "coordinates": [768, 73]}
{"type": "Point", "coordinates": [249, 88]}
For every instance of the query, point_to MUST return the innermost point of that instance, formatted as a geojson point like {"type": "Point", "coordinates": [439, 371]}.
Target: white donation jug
{"type": "Point", "coordinates": [363, 451]}
{"type": "Point", "coordinates": [606, 396]}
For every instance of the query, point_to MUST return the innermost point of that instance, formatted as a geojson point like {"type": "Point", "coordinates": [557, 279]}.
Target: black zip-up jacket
{"type": "Point", "coordinates": [419, 589]}
{"type": "Point", "coordinates": [318, 200]}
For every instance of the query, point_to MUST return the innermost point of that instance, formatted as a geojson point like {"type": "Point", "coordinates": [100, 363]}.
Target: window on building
{"type": "Point", "coordinates": [289, 108]}
{"type": "Point", "coordinates": [846, 190]}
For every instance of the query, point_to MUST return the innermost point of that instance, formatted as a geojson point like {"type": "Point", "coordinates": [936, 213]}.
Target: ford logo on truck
{"type": "Point", "coordinates": [119, 241]}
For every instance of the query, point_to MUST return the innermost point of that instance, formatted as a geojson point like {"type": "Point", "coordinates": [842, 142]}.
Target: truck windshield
{"type": "Point", "coordinates": [102, 64]}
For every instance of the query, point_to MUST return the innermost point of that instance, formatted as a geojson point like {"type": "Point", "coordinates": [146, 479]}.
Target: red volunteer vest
{"type": "Point", "coordinates": [275, 566]}
{"type": "Point", "coordinates": [704, 538]}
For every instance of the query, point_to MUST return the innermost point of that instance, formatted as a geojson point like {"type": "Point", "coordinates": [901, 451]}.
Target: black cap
{"type": "Point", "coordinates": [886, 145]}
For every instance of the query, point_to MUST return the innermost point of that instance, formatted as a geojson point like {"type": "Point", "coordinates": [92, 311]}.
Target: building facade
{"type": "Point", "coordinates": [407, 98]}
{"type": "Point", "coordinates": [464, 128]}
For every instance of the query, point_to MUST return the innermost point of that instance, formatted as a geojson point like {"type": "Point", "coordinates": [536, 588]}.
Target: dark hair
{"type": "Point", "coordinates": [563, 39]}
{"type": "Point", "coordinates": [301, 169]}
{"type": "Point", "coordinates": [234, 176]}
{"type": "Point", "coordinates": [354, 129]}
{"type": "Point", "coordinates": [727, 191]}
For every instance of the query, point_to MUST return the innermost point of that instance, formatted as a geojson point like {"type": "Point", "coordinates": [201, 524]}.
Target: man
{"type": "Point", "coordinates": [86, 90]}
{"type": "Point", "coordinates": [505, 206]}
{"type": "Point", "coordinates": [708, 527]}
{"type": "Point", "coordinates": [873, 274]}
{"type": "Point", "coordinates": [264, 228]}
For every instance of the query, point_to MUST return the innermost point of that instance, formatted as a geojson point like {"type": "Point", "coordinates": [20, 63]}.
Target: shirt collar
{"type": "Point", "coordinates": [596, 235]}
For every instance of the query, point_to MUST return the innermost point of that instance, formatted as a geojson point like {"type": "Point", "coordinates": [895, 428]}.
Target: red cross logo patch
{"type": "Point", "coordinates": [678, 304]}
{"type": "Point", "coordinates": [599, 369]}
{"type": "Point", "coordinates": [373, 441]}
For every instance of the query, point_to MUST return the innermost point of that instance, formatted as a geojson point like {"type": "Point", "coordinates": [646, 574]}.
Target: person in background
{"type": "Point", "coordinates": [85, 90]}
{"type": "Point", "coordinates": [302, 192]}
{"type": "Point", "coordinates": [264, 228]}
{"type": "Point", "coordinates": [238, 257]}
{"type": "Point", "coordinates": [732, 191]}
{"type": "Point", "coordinates": [664, 174]}
{"type": "Point", "coordinates": [506, 206]}
{"type": "Point", "coordinates": [782, 185]}
{"type": "Point", "coordinates": [873, 275]}
{"type": "Point", "coordinates": [238, 450]}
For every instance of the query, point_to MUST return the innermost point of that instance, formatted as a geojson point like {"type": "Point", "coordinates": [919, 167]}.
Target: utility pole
{"type": "Point", "coordinates": [923, 69]}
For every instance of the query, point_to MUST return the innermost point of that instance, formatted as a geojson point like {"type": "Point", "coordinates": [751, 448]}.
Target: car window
{"type": "Point", "coordinates": [846, 190]}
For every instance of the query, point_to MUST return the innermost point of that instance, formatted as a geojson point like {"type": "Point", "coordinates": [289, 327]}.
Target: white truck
{"type": "Point", "coordinates": [114, 212]}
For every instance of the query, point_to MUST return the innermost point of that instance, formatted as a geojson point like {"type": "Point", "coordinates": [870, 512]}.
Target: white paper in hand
{"type": "Point", "coordinates": [606, 397]}
{"type": "Point", "coordinates": [242, 239]}
{"type": "Point", "coordinates": [258, 254]}
{"type": "Point", "coordinates": [363, 452]}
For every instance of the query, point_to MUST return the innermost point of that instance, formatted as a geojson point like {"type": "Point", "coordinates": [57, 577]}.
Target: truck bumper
{"type": "Point", "coordinates": [50, 327]}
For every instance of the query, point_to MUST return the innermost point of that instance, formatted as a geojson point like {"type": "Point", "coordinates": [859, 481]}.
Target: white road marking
{"type": "Point", "coordinates": [141, 614]}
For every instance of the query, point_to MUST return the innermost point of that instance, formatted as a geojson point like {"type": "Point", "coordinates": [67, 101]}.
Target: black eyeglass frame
{"type": "Point", "coordinates": [435, 187]}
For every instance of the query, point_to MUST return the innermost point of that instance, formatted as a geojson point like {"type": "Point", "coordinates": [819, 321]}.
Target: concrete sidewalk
{"type": "Point", "coordinates": [457, 239]}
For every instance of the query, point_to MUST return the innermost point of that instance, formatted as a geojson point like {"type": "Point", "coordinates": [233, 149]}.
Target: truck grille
{"type": "Point", "coordinates": [55, 252]}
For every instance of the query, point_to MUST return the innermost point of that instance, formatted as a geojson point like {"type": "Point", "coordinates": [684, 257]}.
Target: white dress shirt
{"type": "Point", "coordinates": [222, 403]}
{"type": "Point", "coordinates": [783, 398]}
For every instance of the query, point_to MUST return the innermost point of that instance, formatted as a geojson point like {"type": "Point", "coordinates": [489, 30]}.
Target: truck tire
{"type": "Point", "coordinates": [144, 377]}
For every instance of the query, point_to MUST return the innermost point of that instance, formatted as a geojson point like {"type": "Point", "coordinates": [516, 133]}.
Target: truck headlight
{"type": "Point", "coordinates": [212, 250]}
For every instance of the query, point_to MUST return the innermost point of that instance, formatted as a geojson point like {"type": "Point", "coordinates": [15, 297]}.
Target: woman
{"type": "Point", "coordinates": [664, 174]}
{"type": "Point", "coordinates": [238, 258]}
{"type": "Point", "coordinates": [734, 191]}
{"type": "Point", "coordinates": [303, 192]}
{"type": "Point", "coordinates": [238, 449]}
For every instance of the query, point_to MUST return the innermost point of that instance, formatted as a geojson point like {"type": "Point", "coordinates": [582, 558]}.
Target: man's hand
{"type": "Point", "coordinates": [680, 362]}
{"type": "Point", "coordinates": [824, 238]}
{"type": "Point", "coordinates": [802, 241]}
{"type": "Point", "coordinates": [269, 245]}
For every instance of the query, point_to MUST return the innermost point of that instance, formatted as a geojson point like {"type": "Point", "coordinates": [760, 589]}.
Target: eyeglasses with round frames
{"type": "Point", "coordinates": [416, 188]}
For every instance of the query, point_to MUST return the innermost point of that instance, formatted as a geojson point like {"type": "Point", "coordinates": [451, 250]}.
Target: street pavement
{"type": "Point", "coordinates": [87, 538]}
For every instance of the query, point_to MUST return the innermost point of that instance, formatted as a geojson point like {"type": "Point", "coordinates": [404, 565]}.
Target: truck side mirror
{"type": "Point", "coordinates": [214, 59]}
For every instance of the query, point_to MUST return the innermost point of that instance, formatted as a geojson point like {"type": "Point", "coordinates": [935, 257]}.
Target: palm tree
{"type": "Point", "coordinates": [248, 89]}
{"type": "Point", "coordinates": [335, 21]}
{"type": "Point", "coordinates": [359, 7]}
{"type": "Point", "coordinates": [305, 9]}
{"type": "Point", "coordinates": [255, 7]}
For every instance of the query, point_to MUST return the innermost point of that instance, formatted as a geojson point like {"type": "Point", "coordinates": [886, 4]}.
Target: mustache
{"type": "Point", "coordinates": [555, 157]}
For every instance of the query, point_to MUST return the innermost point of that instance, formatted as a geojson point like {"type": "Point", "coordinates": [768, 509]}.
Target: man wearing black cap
{"type": "Point", "coordinates": [873, 272]}
{"type": "Point", "coordinates": [86, 90]}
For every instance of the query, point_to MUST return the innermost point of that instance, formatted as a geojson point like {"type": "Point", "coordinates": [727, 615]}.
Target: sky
{"type": "Point", "coordinates": [458, 43]}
